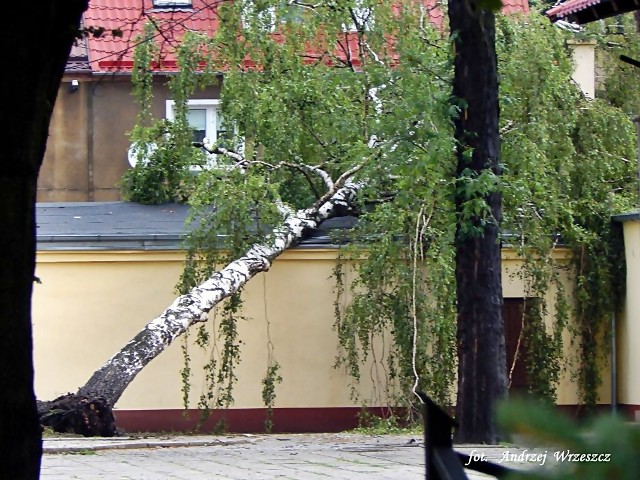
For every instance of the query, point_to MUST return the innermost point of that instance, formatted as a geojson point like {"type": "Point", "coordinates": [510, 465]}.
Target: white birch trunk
{"type": "Point", "coordinates": [110, 381]}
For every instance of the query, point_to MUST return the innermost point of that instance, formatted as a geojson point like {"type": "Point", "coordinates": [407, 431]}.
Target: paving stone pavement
{"type": "Point", "coordinates": [294, 457]}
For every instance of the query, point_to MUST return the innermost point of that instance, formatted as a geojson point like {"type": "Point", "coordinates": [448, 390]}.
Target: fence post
{"type": "Point", "coordinates": [442, 462]}
{"type": "Point", "coordinates": [438, 428]}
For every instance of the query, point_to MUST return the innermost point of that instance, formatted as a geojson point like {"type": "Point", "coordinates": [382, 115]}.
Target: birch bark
{"type": "Point", "coordinates": [111, 380]}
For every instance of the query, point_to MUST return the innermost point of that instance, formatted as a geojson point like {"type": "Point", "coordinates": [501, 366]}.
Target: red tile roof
{"type": "Point", "coordinates": [585, 11]}
{"type": "Point", "coordinates": [436, 12]}
{"type": "Point", "coordinates": [572, 6]}
{"type": "Point", "coordinates": [109, 54]}
{"type": "Point", "coordinates": [512, 7]}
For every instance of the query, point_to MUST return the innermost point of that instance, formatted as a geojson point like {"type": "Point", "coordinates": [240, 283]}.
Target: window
{"type": "Point", "coordinates": [172, 3]}
{"type": "Point", "coordinates": [207, 125]}
{"type": "Point", "coordinates": [204, 118]}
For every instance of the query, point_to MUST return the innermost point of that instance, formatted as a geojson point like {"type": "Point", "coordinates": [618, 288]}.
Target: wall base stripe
{"type": "Point", "coordinates": [285, 420]}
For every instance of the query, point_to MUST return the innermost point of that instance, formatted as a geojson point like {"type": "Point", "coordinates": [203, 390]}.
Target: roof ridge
{"type": "Point", "coordinates": [108, 54]}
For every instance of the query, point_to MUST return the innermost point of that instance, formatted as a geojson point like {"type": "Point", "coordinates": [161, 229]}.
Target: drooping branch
{"type": "Point", "coordinates": [110, 381]}
{"type": "Point", "coordinates": [242, 162]}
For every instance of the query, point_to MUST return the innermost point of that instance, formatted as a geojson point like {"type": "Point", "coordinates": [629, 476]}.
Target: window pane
{"type": "Point", "coordinates": [221, 132]}
{"type": "Point", "coordinates": [227, 134]}
{"type": "Point", "coordinates": [171, 3]}
{"type": "Point", "coordinates": [197, 118]}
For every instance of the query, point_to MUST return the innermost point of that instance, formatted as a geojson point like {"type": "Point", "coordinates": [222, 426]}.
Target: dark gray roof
{"type": "Point", "coordinates": [77, 66]}
{"type": "Point", "coordinates": [109, 225]}
{"type": "Point", "coordinates": [78, 61]}
{"type": "Point", "coordinates": [625, 217]}
{"type": "Point", "coordinates": [131, 226]}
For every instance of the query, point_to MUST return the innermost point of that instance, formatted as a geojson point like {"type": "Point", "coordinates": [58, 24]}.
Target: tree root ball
{"type": "Point", "coordinates": [91, 417]}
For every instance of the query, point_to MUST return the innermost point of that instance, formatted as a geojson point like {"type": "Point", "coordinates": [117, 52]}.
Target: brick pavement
{"type": "Point", "coordinates": [294, 457]}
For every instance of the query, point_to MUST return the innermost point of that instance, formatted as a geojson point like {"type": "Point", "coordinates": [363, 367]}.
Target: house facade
{"type": "Point", "coordinates": [87, 151]}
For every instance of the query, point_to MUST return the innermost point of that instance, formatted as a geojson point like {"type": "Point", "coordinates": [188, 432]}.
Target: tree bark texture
{"type": "Point", "coordinates": [480, 335]}
{"type": "Point", "coordinates": [110, 381]}
{"type": "Point", "coordinates": [36, 44]}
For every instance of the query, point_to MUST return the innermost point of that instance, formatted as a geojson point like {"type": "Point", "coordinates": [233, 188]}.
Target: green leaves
{"type": "Point", "coordinates": [269, 382]}
{"type": "Point", "coordinates": [567, 171]}
{"type": "Point", "coordinates": [605, 448]}
{"type": "Point", "coordinates": [302, 89]}
{"type": "Point", "coordinates": [618, 36]}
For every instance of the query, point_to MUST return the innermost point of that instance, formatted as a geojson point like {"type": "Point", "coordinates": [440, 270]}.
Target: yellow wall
{"type": "Point", "coordinates": [91, 303]}
{"type": "Point", "coordinates": [629, 324]}
{"type": "Point", "coordinates": [514, 287]}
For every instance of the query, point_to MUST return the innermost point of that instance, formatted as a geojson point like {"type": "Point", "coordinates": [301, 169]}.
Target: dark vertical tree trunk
{"type": "Point", "coordinates": [481, 350]}
{"type": "Point", "coordinates": [36, 44]}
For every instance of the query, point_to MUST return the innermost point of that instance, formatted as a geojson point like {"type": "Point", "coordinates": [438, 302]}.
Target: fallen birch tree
{"type": "Point", "coordinates": [88, 412]}
{"type": "Point", "coordinates": [312, 124]}
{"type": "Point", "coordinates": [316, 108]}
{"type": "Point", "coordinates": [319, 105]}
{"type": "Point", "coordinates": [112, 379]}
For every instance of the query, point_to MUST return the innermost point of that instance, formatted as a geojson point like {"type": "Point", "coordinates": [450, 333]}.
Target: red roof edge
{"type": "Point", "coordinates": [585, 11]}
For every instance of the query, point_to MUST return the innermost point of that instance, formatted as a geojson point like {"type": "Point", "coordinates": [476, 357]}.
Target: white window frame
{"type": "Point", "coordinates": [172, 3]}
{"type": "Point", "coordinates": [211, 106]}
{"type": "Point", "coordinates": [211, 127]}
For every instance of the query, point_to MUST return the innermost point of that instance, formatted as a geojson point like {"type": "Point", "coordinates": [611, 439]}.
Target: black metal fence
{"type": "Point", "coordinates": [441, 460]}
